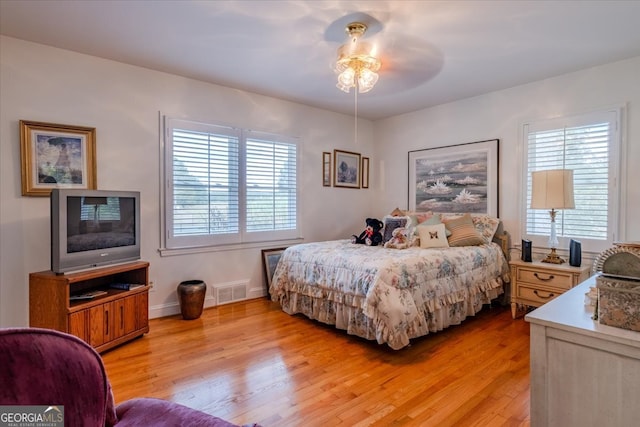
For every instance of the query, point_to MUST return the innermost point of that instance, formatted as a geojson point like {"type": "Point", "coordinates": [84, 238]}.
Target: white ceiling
{"type": "Point", "coordinates": [433, 52]}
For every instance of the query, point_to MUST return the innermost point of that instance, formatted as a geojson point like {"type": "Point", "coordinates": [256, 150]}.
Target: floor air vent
{"type": "Point", "coordinates": [230, 293]}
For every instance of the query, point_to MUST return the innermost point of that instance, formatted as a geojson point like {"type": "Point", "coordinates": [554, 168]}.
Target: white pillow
{"type": "Point", "coordinates": [433, 236]}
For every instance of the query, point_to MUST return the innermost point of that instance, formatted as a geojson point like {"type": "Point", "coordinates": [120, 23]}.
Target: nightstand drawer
{"type": "Point", "coordinates": [553, 279]}
{"type": "Point", "coordinates": [538, 295]}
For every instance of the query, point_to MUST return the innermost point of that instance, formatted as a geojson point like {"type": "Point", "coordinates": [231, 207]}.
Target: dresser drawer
{"type": "Point", "coordinates": [538, 295]}
{"type": "Point", "coordinates": [553, 279]}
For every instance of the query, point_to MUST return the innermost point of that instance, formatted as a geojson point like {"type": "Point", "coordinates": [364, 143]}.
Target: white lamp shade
{"type": "Point", "coordinates": [552, 189]}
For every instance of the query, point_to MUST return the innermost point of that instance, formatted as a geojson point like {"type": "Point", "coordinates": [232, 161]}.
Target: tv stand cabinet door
{"type": "Point", "coordinates": [79, 324]}
{"type": "Point", "coordinates": [128, 315]}
{"type": "Point", "coordinates": [142, 311]}
{"type": "Point", "coordinates": [96, 325]}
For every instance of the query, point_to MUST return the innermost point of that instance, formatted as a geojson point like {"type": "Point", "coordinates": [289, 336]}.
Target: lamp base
{"type": "Point", "coordinates": [553, 258]}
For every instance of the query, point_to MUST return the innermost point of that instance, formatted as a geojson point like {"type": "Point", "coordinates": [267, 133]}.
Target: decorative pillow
{"type": "Point", "coordinates": [433, 236]}
{"type": "Point", "coordinates": [391, 223]}
{"type": "Point", "coordinates": [434, 220]}
{"type": "Point", "coordinates": [418, 218]}
{"type": "Point", "coordinates": [463, 232]}
{"type": "Point", "coordinates": [486, 225]}
{"type": "Point", "coordinates": [397, 212]}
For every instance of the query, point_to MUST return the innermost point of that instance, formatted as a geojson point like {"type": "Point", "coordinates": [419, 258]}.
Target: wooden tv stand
{"type": "Point", "coordinates": [104, 321]}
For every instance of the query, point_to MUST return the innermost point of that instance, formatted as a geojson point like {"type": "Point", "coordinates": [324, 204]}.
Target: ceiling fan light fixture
{"type": "Point", "coordinates": [346, 80]}
{"type": "Point", "coordinates": [356, 64]}
{"type": "Point", "coordinates": [366, 80]}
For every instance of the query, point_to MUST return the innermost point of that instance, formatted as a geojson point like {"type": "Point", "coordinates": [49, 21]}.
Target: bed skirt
{"type": "Point", "coordinates": [353, 320]}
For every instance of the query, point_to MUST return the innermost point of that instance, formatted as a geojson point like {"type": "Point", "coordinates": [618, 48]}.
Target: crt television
{"type": "Point", "coordinates": [92, 228]}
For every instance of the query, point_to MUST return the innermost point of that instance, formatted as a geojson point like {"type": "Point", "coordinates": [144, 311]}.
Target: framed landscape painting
{"type": "Point", "coordinates": [56, 156]}
{"type": "Point", "coordinates": [459, 178]}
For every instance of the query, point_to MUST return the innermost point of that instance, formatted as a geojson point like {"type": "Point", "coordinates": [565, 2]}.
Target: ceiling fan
{"type": "Point", "coordinates": [375, 56]}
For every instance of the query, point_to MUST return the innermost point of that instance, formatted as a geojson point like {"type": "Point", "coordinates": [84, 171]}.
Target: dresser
{"type": "Point", "coordinates": [582, 373]}
{"type": "Point", "coordinates": [536, 283]}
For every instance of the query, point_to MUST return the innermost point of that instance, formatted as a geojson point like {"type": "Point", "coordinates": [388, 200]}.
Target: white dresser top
{"type": "Point", "coordinates": [569, 312]}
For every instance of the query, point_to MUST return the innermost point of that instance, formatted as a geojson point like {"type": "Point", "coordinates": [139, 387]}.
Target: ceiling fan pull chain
{"type": "Point", "coordinates": [356, 115]}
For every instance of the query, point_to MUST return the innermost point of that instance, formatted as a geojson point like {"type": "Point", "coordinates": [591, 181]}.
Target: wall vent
{"type": "Point", "coordinates": [230, 292]}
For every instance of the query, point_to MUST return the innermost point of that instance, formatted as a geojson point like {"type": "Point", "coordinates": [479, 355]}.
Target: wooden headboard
{"type": "Point", "coordinates": [503, 238]}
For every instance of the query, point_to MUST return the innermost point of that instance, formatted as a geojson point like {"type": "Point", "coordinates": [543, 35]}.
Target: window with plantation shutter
{"type": "Point", "coordinates": [271, 184]}
{"type": "Point", "coordinates": [588, 144]}
{"type": "Point", "coordinates": [228, 186]}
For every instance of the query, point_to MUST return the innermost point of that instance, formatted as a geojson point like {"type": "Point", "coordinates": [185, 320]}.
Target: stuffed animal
{"type": "Point", "coordinates": [402, 238]}
{"type": "Point", "coordinates": [371, 235]}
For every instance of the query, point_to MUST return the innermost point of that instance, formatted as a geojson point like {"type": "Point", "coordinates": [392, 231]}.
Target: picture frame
{"type": "Point", "coordinates": [56, 156]}
{"type": "Point", "coordinates": [365, 172]}
{"type": "Point", "coordinates": [457, 178]}
{"type": "Point", "coordinates": [326, 169]}
{"type": "Point", "coordinates": [270, 258]}
{"type": "Point", "coordinates": [346, 169]}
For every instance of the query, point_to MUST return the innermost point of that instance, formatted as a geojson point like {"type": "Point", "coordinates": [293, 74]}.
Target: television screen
{"type": "Point", "coordinates": [100, 223]}
{"type": "Point", "coordinates": [90, 228]}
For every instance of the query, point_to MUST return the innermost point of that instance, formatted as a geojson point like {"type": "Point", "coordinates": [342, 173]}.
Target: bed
{"type": "Point", "coordinates": [386, 294]}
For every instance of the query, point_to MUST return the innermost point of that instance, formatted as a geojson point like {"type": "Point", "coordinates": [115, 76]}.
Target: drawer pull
{"type": "Point", "coordinates": [551, 295]}
{"type": "Point", "coordinates": [542, 278]}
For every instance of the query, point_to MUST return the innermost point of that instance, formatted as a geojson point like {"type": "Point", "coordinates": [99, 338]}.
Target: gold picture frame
{"type": "Point", "coordinates": [346, 169]}
{"type": "Point", "coordinates": [326, 169]}
{"type": "Point", "coordinates": [365, 172]}
{"type": "Point", "coordinates": [56, 156]}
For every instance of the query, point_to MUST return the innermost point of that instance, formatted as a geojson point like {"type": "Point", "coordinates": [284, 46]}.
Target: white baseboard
{"type": "Point", "coordinates": [173, 308]}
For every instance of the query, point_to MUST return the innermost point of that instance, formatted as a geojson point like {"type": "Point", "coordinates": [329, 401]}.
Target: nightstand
{"type": "Point", "coordinates": [536, 283]}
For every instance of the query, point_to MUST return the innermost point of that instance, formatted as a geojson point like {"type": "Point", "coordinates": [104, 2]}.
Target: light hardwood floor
{"type": "Point", "coordinates": [250, 362]}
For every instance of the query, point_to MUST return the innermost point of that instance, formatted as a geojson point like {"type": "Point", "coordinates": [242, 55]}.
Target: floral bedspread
{"type": "Point", "coordinates": [388, 294]}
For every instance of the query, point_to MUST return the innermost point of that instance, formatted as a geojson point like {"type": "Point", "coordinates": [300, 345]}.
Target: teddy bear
{"type": "Point", "coordinates": [400, 238]}
{"type": "Point", "coordinates": [371, 236]}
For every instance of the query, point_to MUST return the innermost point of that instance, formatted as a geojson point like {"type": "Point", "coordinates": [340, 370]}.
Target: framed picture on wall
{"type": "Point", "coordinates": [326, 169]}
{"type": "Point", "coordinates": [458, 178]}
{"type": "Point", "coordinates": [365, 172]}
{"type": "Point", "coordinates": [56, 156]}
{"type": "Point", "coordinates": [346, 169]}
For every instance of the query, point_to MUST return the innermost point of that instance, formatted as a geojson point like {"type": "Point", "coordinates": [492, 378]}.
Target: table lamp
{"type": "Point", "coordinates": [552, 189]}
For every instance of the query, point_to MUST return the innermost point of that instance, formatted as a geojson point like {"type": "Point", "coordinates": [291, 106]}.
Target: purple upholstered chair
{"type": "Point", "coordinates": [47, 367]}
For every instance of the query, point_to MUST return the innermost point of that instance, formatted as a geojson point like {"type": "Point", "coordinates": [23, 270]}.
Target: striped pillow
{"type": "Point", "coordinates": [463, 232]}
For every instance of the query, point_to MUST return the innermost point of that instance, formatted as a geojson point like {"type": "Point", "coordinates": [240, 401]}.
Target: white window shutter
{"type": "Point", "coordinates": [587, 144]}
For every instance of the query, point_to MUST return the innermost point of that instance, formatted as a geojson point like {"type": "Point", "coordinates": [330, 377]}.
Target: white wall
{"type": "Point", "coordinates": [122, 102]}
{"type": "Point", "coordinates": [501, 115]}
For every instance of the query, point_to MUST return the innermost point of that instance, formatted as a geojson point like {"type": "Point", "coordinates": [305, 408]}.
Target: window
{"type": "Point", "coordinates": [228, 186]}
{"type": "Point", "coordinates": [590, 145]}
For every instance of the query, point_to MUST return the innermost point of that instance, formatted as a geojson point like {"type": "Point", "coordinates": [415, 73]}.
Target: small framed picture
{"type": "Point", "coordinates": [56, 156]}
{"type": "Point", "coordinates": [365, 172]}
{"type": "Point", "coordinates": [346, 169]}
{"type": "Point", "coordinates": [326, 169]}
{"type": "Point", "coordinates": [270, 258]}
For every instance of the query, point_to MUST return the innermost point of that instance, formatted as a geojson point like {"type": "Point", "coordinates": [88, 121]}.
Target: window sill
{"type": "Point", "coordinates": [165, 252]}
